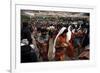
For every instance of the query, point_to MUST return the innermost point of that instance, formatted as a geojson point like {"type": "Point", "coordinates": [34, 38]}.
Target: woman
{"type": "Point", "coordinates": [63, 47]}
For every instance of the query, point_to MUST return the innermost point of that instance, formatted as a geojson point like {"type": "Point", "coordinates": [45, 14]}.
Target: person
{"type": "Point", "coordinates": [55, 40]}
{"type": "Point", "coordinates": [28, 49]}
{"type": "Point", "coordinates": [61, 40]}
{"type": "Point", "coordinates": [42, 44]}
{"type": "Point", "coordinates": [51, 30]}
{"type": "Point", "coordinates": [25, 32]}
{"type": "Point", "coordinates": [28, 53]}
{"type": "Point", "coordinates": [70, 38]}
{"type": "Point", "coordinates": [63, 47]}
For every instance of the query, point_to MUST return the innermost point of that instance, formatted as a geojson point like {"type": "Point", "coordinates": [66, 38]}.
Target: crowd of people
{"type": "Point", "coordinates": [55, 39]}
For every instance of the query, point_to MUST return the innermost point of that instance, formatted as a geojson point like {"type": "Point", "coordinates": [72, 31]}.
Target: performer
{"type": "Point", "coordinates": [62, 47]}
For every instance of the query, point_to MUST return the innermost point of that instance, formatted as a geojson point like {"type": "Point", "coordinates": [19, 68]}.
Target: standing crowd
{"type": "Point", "coordinates": [62, 39]}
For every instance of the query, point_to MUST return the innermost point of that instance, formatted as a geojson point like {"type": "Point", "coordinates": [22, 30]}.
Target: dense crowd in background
{"type": "Point", "coordinates": [39, 34]}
